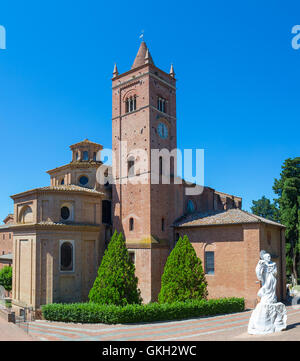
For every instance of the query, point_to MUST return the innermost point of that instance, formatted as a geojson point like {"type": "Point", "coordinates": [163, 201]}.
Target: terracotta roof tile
{"type": "Point", "coordinates": [69, 187]}
{"type": "Point", "coordinates": [61, 188]}
{"type": "Point", "coordinates": [231, 216]}
{"type": "Point", "coordinates": [86, 142]}
{"type": "Point", "coordinates": [6, 257]}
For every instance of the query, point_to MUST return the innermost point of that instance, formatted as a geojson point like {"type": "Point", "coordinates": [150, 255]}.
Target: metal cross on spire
{"type": "Point", "coordinates": [142, 35]}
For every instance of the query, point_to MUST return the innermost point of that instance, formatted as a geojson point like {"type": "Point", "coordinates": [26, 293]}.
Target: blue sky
{"type": "Point", "coordinates": [238, 84]}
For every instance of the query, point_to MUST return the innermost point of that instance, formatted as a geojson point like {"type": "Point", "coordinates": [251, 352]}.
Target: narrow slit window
{"type": "Point", "coordinates": [131, 224]}
{"type": "Point", "coordinates": [134, 103]}
{"type": "Point", "coordinates": [160, 166]}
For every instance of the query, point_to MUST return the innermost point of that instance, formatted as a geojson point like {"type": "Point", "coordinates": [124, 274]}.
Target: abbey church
{"type": "Point", "coordinates": [60, 231]}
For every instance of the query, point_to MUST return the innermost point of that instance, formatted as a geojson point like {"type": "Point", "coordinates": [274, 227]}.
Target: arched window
{"type": "Point", "coordinates": [130, 167]}
{"type": "Point", "coordinates": [106, 176]}
{"type": "Point", "coordinates": [26, 215]}
{"type": "Point", "coordinates": [209, 262]}
{"type": "Point", "coordinates": [131, 224]}
{"type": "Point", "coordinates": [161, 104]}
{"type": "Point", "coordinates": [130, 104]}
{"type": "Point", "coordinates": [65, 213]}
{"type": "Point", "coordinates": [85, 156]}
{"type": "Point", "coordinates": [66, 256]}
{"type": "Point", "coordinates": [106, 211]}
{"type": "Point", "coordinates": [190, 206]}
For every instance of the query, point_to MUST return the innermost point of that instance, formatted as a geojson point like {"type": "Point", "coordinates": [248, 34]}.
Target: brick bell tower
{"type": "Point", "coordinates": [144, 118]}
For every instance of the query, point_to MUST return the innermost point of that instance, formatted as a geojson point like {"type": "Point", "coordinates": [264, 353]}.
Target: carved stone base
{"type": "Point", "coordinates": [267, 318]}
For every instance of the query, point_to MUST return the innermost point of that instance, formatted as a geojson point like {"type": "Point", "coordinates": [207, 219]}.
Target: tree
{"type": "Point", "coordinates": [116, 282]}
{"type": "Point", "coordinates": [264, 208]}
{"type": "Point", "coordinates": [183, 278]}
{"type": "Point", "coordinates": [6, 278]}
{"type": "Point", "coordinates": [287, 187]}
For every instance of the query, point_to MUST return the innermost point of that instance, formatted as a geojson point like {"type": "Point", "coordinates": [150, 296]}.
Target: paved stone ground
{"type": "Point", "coordinates": [226, 327]}
{"type": "Point", "coordinates": [11, 332]}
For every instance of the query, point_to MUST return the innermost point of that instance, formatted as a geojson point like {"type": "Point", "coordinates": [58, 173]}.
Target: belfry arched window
{"type": "Point", "coordinates": [161, 104]}
{"type": "Point", "coordinates": [131, 104]}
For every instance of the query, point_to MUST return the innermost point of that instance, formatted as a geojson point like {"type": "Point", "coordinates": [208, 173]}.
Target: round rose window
{"type": "Point", "coordinates": [83, 180]}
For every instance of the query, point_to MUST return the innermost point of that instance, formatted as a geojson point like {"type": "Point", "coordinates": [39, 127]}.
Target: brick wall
{"type": "Point", "coordinates": [236, 250]}
{"type": "Point", "coordinates": [6, 243]}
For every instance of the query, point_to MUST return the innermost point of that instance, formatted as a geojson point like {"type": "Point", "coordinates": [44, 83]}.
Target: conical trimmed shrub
{"type": "Point", "coordinates": [116, 282]}
{"type": "Point", "coordinates": [183, 278]}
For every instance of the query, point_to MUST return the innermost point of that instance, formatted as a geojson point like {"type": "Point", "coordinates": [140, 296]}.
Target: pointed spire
{"type": "Point", "coordinates": [143, 56]}
{"type": "Point", "coordinates": [172, 72]}
{"type": "Point", "coordinates": [148, 57]}
{"type": "Point", "coordinates": [115, 73]}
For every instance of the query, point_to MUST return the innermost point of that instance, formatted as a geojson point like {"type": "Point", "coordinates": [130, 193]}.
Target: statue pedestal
{"type": "Point", "coordinates": [267, 318]}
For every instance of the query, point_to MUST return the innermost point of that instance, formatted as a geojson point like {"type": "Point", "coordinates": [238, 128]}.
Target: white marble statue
{"type": "Point", "coordinates": [269, 315]}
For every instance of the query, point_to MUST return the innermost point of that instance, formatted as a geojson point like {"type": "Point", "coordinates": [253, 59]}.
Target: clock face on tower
{"type": "Point", "coordinates": [162, 130]}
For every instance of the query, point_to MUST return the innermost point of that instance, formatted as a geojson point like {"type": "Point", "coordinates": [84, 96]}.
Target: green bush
{"type": "Point", "coordinates": [116, 282]}
{"type": "Point", "coordinates": [112, 314]}
{"type": "Point", "coordinates": [183, 278]}
{"type": "Point", "coordinates": [6, 278]}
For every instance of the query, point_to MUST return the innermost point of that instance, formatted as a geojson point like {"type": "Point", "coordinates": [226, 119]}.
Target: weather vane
{"type": "Point", "coordinates": [142, 35]}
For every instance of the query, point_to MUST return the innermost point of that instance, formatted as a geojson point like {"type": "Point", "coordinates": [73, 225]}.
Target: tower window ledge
{"type": "Point", "coordinates": [132, 111]}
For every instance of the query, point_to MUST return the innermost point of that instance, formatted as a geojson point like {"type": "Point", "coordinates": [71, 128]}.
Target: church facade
{"type": "Point", "coordinates": [60, 232]}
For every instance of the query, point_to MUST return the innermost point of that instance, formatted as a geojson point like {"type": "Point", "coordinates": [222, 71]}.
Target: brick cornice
{"type": "Point", "coordinates": [74, 165]}
{"type": "Point", "coordinates": [134, 80]}
{"type": "Point", "coordinates": [56, 226]}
